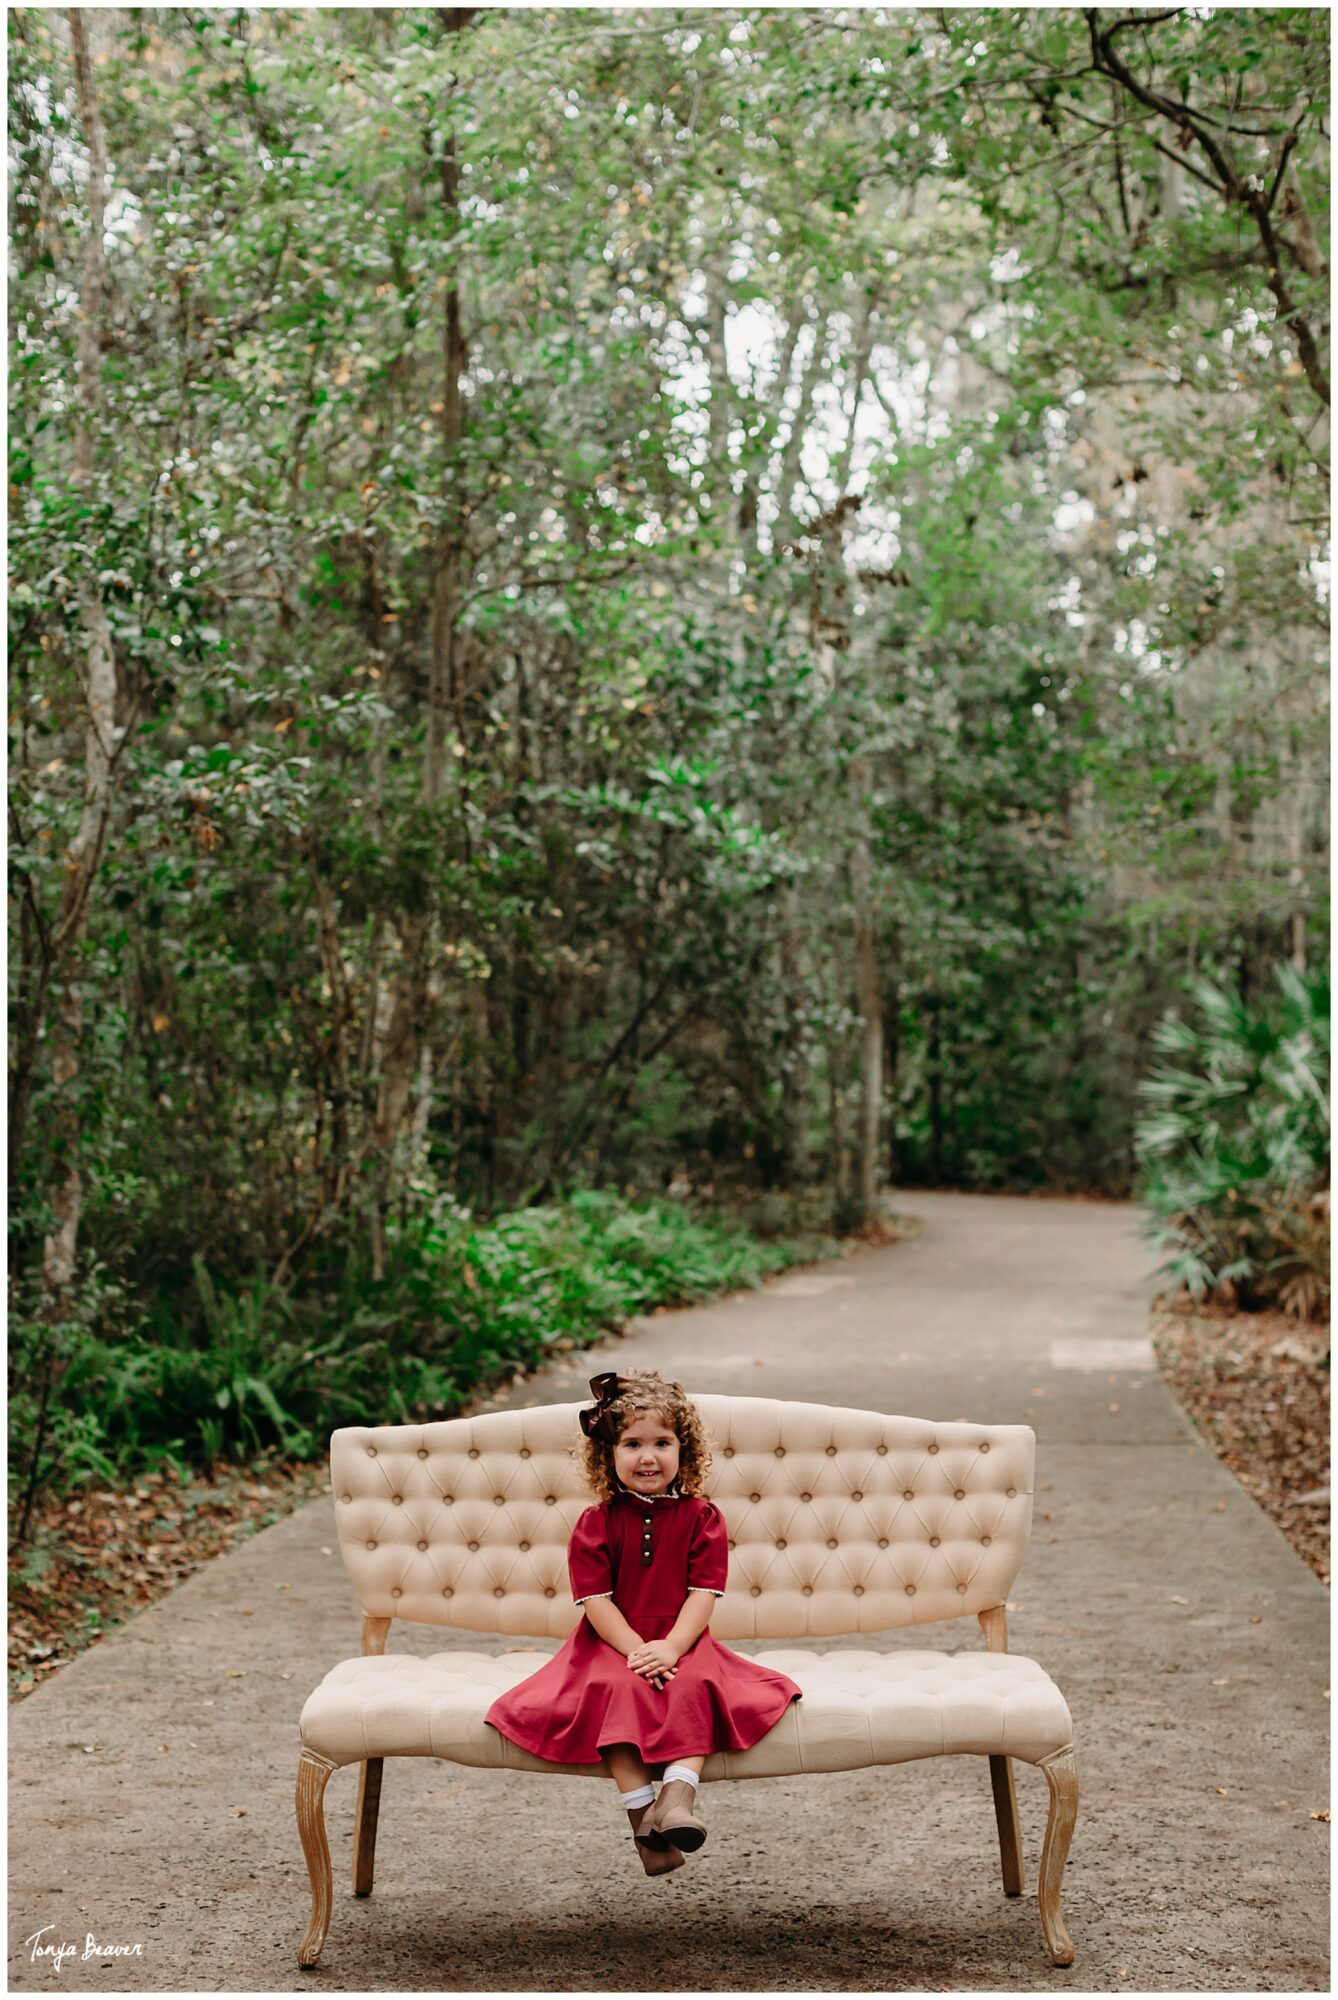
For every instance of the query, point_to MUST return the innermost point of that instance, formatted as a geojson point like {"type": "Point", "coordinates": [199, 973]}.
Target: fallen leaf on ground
{"type": "Point", "coordinates": [94, 1561]}
{"type": "Point", "coordinates": [1257, 1388]}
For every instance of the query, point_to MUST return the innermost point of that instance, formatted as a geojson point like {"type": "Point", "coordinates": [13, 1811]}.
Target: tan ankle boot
{"type": "Point", "coordinates": [674, 1816]}
{"type": "Point", "coordinates": [657, 1856]}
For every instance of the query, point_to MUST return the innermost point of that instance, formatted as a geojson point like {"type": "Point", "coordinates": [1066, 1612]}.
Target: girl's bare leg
{"type": "Point", "coordinates": [623, 1763]}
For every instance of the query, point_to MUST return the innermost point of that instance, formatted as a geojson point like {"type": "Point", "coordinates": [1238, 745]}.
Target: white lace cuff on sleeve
{"type": "Point", "coordinates": [710, 1591]}
{"type": "Point", "coordinates": [593, 1594]}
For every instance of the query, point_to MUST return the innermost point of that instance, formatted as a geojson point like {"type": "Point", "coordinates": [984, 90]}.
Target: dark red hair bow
{"type": "Point", "coordinates": [598, 1422]}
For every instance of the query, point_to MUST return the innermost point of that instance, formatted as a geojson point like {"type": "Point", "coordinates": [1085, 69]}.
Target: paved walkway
{"type": "Point", "coordinates": [151, 1797]}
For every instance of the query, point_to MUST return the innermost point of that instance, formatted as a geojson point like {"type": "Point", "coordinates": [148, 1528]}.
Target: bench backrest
{"type": "Point", "coordinates": [839, 1520]}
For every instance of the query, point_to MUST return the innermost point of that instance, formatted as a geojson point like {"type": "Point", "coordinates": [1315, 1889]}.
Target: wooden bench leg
{"type": "Point", "coordinates": [1061, 1774]}
{"type": "Point", "coordinates": [313, 1775]}
{"type": "Point", "coordinates": [364, 1835]}
{"type": "Point", "coordinates": [1005, 1813]}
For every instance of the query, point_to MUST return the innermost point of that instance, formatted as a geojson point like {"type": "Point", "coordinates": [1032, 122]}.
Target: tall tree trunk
{"type": "Point", "coordinates": [839, 1162]}
{"type": "Point", "coordinates": [789, 472]}
{"type": "Point", "coordinates": [413, 1003]}
{"type": "Point", "coordinates": [830, 633]}
{"type": "Point", "coordinates": [869, 1001]}
{"type": "Point", "coordinates": [1298, 803]}
{"type": "Point", "coordinates": [84, 854]}
{"type": "Point", "coordinates": [935, 1067]}
{"type": "Point", "coordinates": [794, 1077]}
{"type": "Point", "coordinates": [86, 849]}
{"type": "Point", "coordinates": [720, 393]}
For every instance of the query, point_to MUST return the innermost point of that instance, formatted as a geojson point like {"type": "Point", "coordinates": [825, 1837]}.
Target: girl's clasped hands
{"type": "Point", "coordinates": [654, 1661]}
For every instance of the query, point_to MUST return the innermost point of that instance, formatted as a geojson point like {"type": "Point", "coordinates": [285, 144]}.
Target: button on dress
{"type": "Point", "coordinates": [646, 1554]}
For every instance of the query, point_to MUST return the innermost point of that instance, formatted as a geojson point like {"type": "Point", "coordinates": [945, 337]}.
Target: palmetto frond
{"type": "Point", "coordinates": [1234, 1143]}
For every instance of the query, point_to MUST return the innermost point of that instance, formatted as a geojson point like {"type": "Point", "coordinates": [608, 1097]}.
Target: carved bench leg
{"type": "Point", "coordinates": [1061, 1774]}
{"type": "Point", "coordinates": [313, 1775]}
{"type": "Point", "coordinates": [1010, 1835]}
{"type": "Point", "coordinates": [364, 1836]}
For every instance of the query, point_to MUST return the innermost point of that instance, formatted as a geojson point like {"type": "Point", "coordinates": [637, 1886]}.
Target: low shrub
{"type": "Point", "coordinates": [1234, 1146]}
{"type": "Point", "coordinates": [229, 1374]}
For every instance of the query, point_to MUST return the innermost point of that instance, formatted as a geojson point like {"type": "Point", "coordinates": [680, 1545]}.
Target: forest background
{"type": "Point", "coordinates": [628, 627]}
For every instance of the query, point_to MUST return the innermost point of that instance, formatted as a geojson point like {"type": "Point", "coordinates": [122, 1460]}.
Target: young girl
{"type": "Point", "coordinates": [641, 1682]}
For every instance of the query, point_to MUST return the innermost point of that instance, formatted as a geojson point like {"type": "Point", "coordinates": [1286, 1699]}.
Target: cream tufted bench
{"type": "Point", "coordinates": [841, 1521]}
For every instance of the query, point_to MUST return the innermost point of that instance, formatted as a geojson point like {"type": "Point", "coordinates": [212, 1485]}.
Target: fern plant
{"type": "Point", "coordinates": [1233, 1146]}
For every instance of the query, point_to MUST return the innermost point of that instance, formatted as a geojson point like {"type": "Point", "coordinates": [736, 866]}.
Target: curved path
{"type": "Point", "coordinates": [151, 1796]}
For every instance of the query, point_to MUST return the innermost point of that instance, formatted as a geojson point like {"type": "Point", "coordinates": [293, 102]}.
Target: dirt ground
{"type": "Point", "coordinates": [151, 1788]}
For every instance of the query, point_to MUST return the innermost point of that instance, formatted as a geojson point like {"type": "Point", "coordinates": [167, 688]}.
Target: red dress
{"type": "Point", "coordinates": [646, 1554]}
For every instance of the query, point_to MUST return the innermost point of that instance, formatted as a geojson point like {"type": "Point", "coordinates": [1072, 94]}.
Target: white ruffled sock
{"type": "Point", "coordinates": [679, 1774]}
{"type": "Point", "coordinates": [644, 1795]}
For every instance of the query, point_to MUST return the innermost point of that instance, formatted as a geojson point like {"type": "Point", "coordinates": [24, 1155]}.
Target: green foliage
{"type": "Point", "coordinates": [1234, 1144]}
{"type": "Point", "coordinates": [879, 490]}
{"type": "Point", "coordinates": [459, 1306]}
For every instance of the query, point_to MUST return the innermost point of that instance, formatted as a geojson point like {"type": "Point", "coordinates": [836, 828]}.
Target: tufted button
{"type": "Point", "coordinates": [756, 1590]}
{"type": "Point", "coordinates": [933, 1541]}
{"type": "Point", "coordinates": [397, 1499]}
{"type": "Point", "coordinates": [859, 1590]}
{"type": "Point", "coordinates": [857, 1496]}
{"type": "Point", "coordinates": [910, 1590]}
{"type": "Point", "coordinates": [550, 1499]}
{"type": "Point", "coordinates": [550, 1592]}
{"type": "Point", "coordinates": [882, 1542]}
{"type": "Point", "coordinates": [961, 1590]}
{"type": "Point", "coordinates": [499, 1499]}
{"type": "Point", "coordinates": [808, 1590]}
{"type": "Point", "coordinates": [524, 1548]}
{"type": "Point", "coordinates": [524, 1451]}
{"type": "Point", "coordinates": [422, 1451]}
{"type": "Point", "coordinates": [754, 1497]}
{"type": "Point", "coordinates": [960, 1494]}
{"type": "Point", "coordinates": [780, 1451]}
{"type": "Point", "coordinates": [805, 1496]}
{"type": "Point", "coordinates": [831, 1541]}
{"type": "Point", "coordinates": [448, 1592]}
{"type": "Point", "coordinates": [422, 1545]}
{"type": "Point", "coordinates": [371, 1451]}
{"type": "Point", "coordinates": [473, 1451]}
{"type": "Point", "coordinates": [729, 1451]}
{"type": "Point", "coordinates": [831, 1451]}
{"type": "Point", "coordinates": [780, 1545]}
{"type": "Point", "coordinates": [933, 1447]}
{"type": "Point", "coordinates": [397, 1593]}
{"type": "Point", "coordinates": [448, 1499]}
{"type": "Point", "coordinates": [908, 1495]}
{"type": "Point", "coordinates": [732, 1544]}
{"type": "Point", "coordinates": [984, 1447]}
{"type": "Point", "coordinates": [347, 1497]}
{"type": "Point", "coordinates": [499, 1592]}
{"type": "Point", "coordinates": [882, 1451]}
{"type": "Point", "coordinates": [984, 1541]}
{"type": "Point", "coordinates": [473, 1545]}
{"type": "Point", "coordinates": [371, 1545]}
{"type": "Point", "coordinates": [1012, 1493]}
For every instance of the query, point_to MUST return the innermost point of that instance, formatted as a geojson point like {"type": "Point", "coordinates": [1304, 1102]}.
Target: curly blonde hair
{"type": "Point", "coordinates": [649, 1394]}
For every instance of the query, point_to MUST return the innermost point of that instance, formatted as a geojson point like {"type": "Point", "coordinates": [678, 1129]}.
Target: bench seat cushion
{"type": "Point", "coordinates": [858, 1708]}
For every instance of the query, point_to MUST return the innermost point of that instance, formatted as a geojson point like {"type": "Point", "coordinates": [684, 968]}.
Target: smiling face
{"type": "Point", "coordinates": [645, 1457]}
